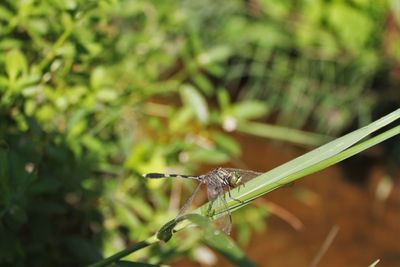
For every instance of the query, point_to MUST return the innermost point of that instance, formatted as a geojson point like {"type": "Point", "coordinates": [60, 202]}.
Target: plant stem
{"type": "Point", "coordinates": [125, 252]}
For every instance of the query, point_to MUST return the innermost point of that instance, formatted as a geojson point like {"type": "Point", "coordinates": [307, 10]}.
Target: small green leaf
{"type": "Point", "coordinates": [66, 20]}
{"type": "Point", "coordinates": [126, 216]}
{"type": "Point", "coordinates": [141, 207]}
{"type": "Point", "coordinates": [226, 143]}
{"type": "Point", "coordinates": [180, 119]}
{"type": "Point", "coordinates": [216, 70]}
{"type": "Point", "coordinates": [352, 26]}
{"type": "Point", "coordinates": [107, 95]}
{"type": "Point", "coordinates": [16, 64]}
{"type": "Point", "coordinates": [211, 156]}
{"type": "Point", "coordinates": [395, 7]}
{"type": "Point", "coordinates": [5, 14]}
{"type": "Point", "coordinates": [194, 100]}
{"type": "Point", "coordinates": [223, 99]}
{"type": "Point", "coordinates": [249, 110]}
{"type": "Point", "coordinates": [98, 77]}
{"type": "Point", "coordinates": [202, 82]}
{"type": "Point", "coordinates": [3, 82]}
{"type": "Point", "coordinates": [215, 54]}
{"type": "Point", "coordinates": [75, 119]}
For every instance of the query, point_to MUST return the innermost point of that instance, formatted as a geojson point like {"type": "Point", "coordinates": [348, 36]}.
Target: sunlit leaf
{"type": "Point", "coordinates": [181, 119]}
{"type": "Point", "coordinates": [211, 156]}
{"type": "Point", "coordinates": [216, 54]}
{"type": "Point", "coordinates": [107, 95]}
{"type": "Point", "coordinates": [98, 77]}
{"type": "Point", "coordinates": [16, 64]}
{"type": "Point", "coordinates": [223, 99]}
{"type": "Point", "coordinates": [193, 99]}
{"type": "Point", "coordinates": [350, 24]}
{"type": "Point", "coordinates": [249, 109]}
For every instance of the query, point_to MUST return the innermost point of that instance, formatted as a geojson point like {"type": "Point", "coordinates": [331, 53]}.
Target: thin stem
{"type": "Point", "coordinates": [327, 243]}
{"type": "Point", "coordinates": [126, 252]}
{"type": "Point", "coordinates": [60, 41]}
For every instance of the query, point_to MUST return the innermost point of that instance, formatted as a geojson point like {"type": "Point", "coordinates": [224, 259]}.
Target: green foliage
{"type": "Point", "coordinates": [94, 93]}
{"type": "Point", "coordinates": [296, 55]}
{"type": "Point", "coordinates": [46, 211]}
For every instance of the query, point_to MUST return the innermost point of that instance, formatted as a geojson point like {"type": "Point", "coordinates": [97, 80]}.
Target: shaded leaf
{"type": "Point", "coordinates": [133, 264]}
{"type": "Point", "coordinates": [83, 249]}
{"type": "Point", "coordinates": [226, 143]}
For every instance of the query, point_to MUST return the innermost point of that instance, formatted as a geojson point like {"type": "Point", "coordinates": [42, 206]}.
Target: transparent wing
{"type": "Point", "coordinates": [215, 192]}
{"type": "Point", "coordinates": [188, 202]}
{"type": "Point", "coordinates": [247, 175]}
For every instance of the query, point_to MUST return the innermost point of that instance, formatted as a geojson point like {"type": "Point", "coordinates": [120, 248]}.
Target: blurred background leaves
{"type": "Point", "coordinates": [95, 93]}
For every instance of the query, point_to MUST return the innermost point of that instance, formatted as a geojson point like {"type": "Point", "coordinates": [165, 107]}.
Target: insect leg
{"type": "Point", "coordinates": [230, 196]}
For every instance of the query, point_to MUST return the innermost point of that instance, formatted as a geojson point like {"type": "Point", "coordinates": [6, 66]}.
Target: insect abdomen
{"type": "Point", "coordinates": [155, 175]}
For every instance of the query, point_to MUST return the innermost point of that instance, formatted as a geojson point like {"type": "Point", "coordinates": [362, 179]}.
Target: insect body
{"type": "Point", "coordinates": [217, 182]}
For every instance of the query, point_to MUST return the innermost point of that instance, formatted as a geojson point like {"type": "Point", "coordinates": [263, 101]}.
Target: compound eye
{"type": "Point", "coordinates": [236, 179]}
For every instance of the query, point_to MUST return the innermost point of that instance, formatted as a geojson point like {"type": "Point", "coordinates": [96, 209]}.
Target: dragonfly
{"type": "Point", "coordinates": [217, 181]}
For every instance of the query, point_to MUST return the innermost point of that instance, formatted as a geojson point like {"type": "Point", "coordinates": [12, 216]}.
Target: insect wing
{"type": "Point", "coordinates": [188, 202]}
{"type": "Point", "coordinates": [215, 192]}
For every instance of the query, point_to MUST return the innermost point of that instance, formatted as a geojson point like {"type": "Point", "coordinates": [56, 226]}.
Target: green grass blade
{"type": "Point", "coordinates": [116, 257]}
{"type": "Point", "coordinates": [277, 132]}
